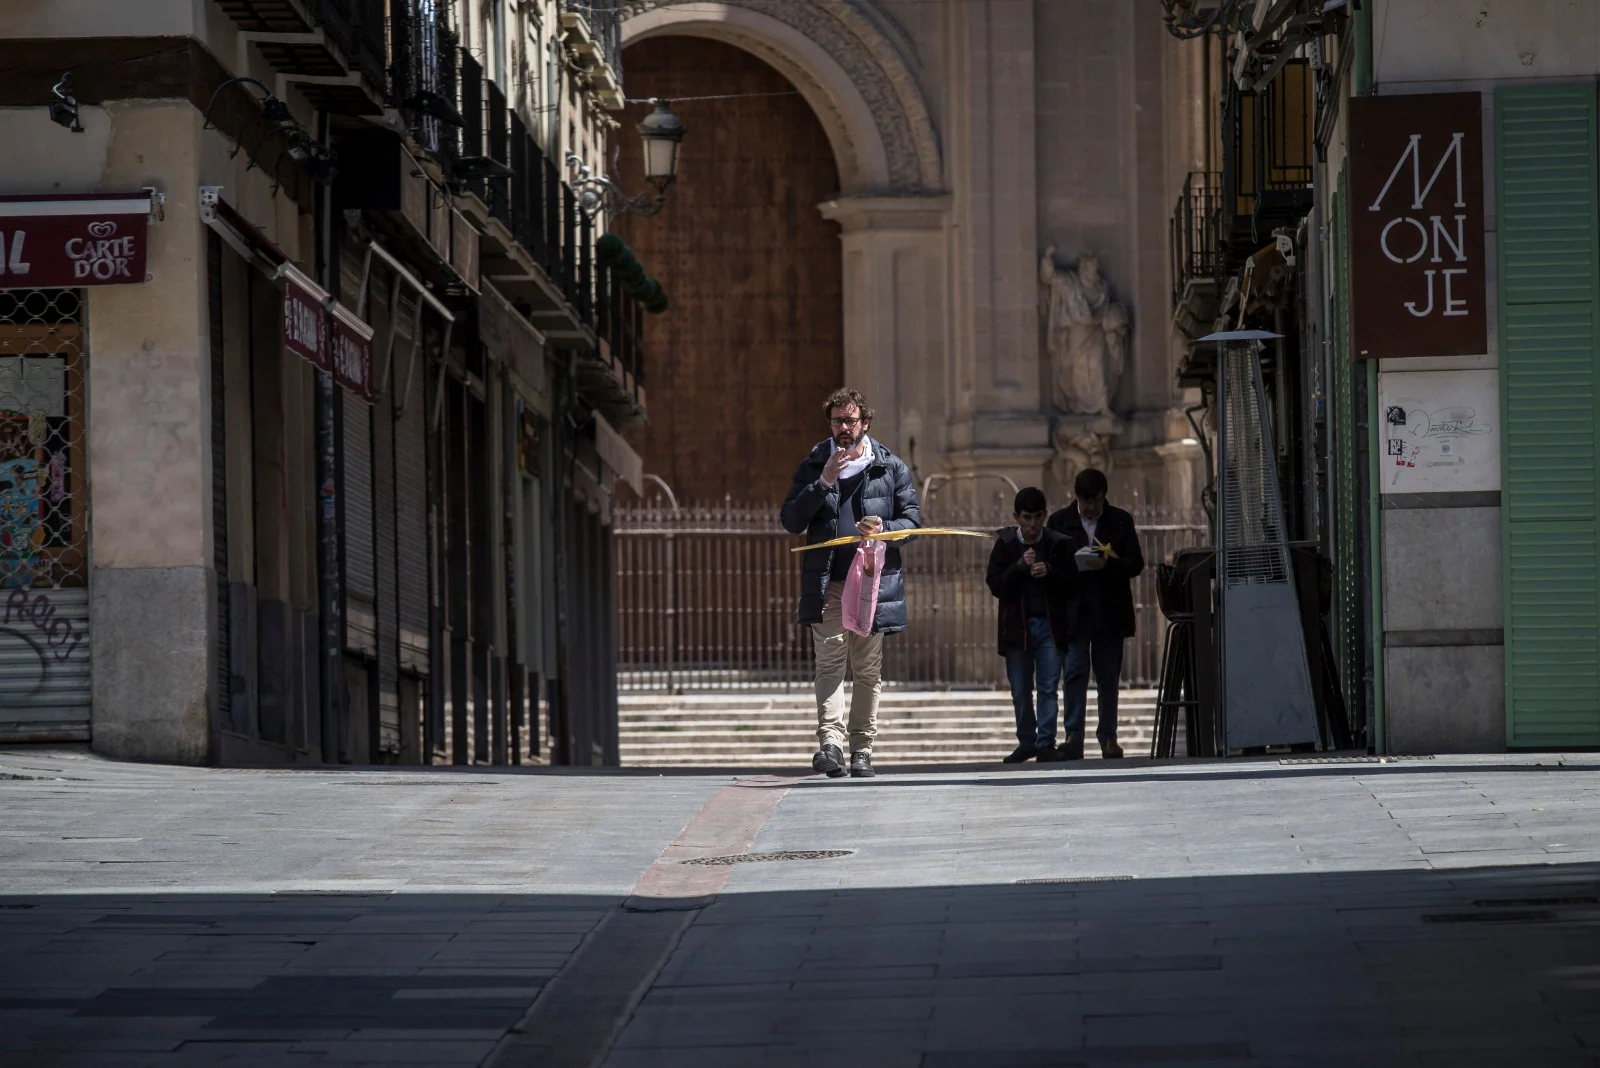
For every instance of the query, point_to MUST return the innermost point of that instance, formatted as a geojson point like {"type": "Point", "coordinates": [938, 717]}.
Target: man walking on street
{"type": "Point", "coordinates": [849, 483]}
{"type": "Point", "coordinates": [1032, 572]}
{"type": "Point", "coordinates": [1106, 547]}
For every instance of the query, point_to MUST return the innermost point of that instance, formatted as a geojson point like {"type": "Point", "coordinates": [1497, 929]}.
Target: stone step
{"type": "Point", "coordinates": [755, 729]}
{"type": "Point", "coordinates": [905, 704]}
{"type": "Point", "coordinates": [884, 753]}
{"type": "Point", "coordinates": [702, 718]}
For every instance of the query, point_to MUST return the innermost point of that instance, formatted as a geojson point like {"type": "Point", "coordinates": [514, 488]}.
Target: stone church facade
{"type": "Point", "coordinates": [983, 154]}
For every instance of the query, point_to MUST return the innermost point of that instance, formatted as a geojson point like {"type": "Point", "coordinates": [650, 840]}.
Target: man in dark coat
{"type": "Point", "coordinates": [849, 483]}
{"type": "Point", "coordinates": [1106, 547]}
{"type": "Point", "coordinates": [1032, 572]}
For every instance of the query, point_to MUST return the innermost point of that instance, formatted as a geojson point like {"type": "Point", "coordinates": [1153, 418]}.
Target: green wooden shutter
{"type": "Point", "coordinates": [1348, 594]}
{"type": "Point", "coordinates": [1549, 245]}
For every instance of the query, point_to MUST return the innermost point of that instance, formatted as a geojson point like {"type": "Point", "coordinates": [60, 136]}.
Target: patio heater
{"type": "Point", "coordinates": [1264, 681]}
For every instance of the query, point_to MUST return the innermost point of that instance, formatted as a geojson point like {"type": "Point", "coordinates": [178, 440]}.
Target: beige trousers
{"type": "Point", "coordinates": [841, 654]}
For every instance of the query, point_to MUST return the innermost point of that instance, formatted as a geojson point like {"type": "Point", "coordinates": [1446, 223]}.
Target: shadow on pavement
{"type": "Point", "coordinates": [1370, 968]}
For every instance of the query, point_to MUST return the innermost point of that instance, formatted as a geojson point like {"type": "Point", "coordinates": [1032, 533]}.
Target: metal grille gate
{"type": "Point", "coordinates": [706, 600]}
{"type": "Point", "coordinates": [44, 513]}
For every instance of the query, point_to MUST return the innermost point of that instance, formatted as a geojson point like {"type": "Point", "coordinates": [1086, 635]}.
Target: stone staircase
{"type": "Point", "coordinates": [757, 729]}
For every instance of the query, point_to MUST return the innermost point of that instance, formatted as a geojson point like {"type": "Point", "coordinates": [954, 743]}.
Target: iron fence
{"type": "Point", "coordinates": [706, 600]}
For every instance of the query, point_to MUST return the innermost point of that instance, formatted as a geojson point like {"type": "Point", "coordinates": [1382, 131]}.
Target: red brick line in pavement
{"type": "Point", "coordinates": [580, 1012]}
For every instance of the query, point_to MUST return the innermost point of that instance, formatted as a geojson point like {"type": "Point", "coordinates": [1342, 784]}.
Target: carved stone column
{"type": "Point", "coordinates": [895, 293]}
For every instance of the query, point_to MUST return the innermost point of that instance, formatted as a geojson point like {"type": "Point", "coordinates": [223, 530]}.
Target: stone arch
{"type": "Point", "coordinates": [852, 73]}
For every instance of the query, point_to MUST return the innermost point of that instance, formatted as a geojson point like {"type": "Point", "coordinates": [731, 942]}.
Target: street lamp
{"type": "Point", "coordinates": [662, 135]}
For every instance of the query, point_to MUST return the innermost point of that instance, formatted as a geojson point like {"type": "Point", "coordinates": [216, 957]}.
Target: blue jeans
{"type": "Point", "coordinates": [1105, 655]}
{"type": "Point", "coordinates": [1038, 665]}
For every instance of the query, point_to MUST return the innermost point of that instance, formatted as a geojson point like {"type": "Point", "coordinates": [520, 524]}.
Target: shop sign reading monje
{"type": "Point", "coordinates": [1416, 226]}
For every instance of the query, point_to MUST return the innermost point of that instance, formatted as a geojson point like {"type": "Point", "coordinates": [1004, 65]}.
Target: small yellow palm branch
{"type": "Point", "coordinates": [892, 535]}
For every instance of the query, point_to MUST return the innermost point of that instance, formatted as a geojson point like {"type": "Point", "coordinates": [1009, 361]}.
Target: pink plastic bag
{"type": "Point", "coordinates": [859, 601]}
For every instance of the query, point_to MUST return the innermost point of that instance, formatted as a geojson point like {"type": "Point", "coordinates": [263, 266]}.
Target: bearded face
{"type": "Point", "coordinates": [847, 426]}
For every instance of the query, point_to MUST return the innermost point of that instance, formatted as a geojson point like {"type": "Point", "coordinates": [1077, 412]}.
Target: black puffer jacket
{"type": "Point", "coordinates": [812, 509]}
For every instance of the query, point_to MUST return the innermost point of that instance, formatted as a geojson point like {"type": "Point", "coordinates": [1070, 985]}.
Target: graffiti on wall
{"type": "Point", "coordinates": [43, 643]}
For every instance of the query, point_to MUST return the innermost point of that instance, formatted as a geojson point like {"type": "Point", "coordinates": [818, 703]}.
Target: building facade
{"type": "Point", "coordinates": [1406, 190]}
{"type": "Point", "coordinates": [314, 398]}
{"type": "Point", "coordinates": [906, 197]}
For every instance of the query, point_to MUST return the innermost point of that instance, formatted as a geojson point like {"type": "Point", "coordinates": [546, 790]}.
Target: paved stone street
{"type": "Point", "coordinates": [1421, 912]}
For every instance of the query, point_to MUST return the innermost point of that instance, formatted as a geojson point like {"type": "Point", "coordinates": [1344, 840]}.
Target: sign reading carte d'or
{"type": "Point", "coordinates": [73, 240]}
{"type": "Point", "coordinates": [1416, 226]}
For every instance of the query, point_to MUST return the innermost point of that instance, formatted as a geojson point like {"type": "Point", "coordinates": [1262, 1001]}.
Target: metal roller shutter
{"type": "Point", "coordinates": [384, 534]}
{"type": "Point", "coordinates": [355, 473]}
{"type": "Point", "coordinates": [360, 567]}
{"type": "Point", "coordinates": [411, 496]}
{"type": "Point", "coordinates": [1549, 249]}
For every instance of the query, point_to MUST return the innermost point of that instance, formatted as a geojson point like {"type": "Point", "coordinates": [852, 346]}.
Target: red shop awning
{"type": "Point", "coordinates": [315, 325]}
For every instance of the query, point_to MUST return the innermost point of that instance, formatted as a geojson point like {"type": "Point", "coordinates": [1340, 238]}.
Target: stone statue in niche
{"type": "Point", "coordinates": [1075, 450]}
{"type": "Point", "coordinates": [1086, 335]}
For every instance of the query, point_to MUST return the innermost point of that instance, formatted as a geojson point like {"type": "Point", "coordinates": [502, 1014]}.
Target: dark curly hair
{"type": "Point", "coordinates": [843, 397]}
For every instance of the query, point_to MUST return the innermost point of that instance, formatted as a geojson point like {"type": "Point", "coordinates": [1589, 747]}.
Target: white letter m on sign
{"type": "Point", "coordinates": [1419, 191]}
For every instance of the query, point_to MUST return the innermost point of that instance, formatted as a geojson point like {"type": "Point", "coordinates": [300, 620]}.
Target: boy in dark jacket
{"type": "Point", "coordinates": [1032, 573]}
{"type": "Point", "coordinates": [1103, 542]}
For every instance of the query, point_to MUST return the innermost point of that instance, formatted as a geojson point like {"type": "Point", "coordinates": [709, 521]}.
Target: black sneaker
{"type": "Point", "coordinates": [1071, 749]}
{"type": "Point", "coordinates": [1049, 753]}
{"type": "Point", "coordinates": [861, 764]}
{"type": "Point", "coordinates": [1021, 755]}
{"type": "Point", "coordinates": [829, 761]}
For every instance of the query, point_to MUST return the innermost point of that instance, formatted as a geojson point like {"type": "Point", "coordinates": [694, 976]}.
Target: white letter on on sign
{"type": "Point", "coordinates": [1440, 233]}
{"type": "Point", "coordinates": [1383, 240]}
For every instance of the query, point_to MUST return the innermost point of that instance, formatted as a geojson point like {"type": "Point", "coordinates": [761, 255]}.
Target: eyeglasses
{"type": "Point", "coordinates": [844, 422]}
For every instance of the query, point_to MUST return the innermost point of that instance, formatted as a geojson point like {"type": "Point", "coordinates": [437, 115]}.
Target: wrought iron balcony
{"type": "Point", "coordinates": [1197, 252]}
{"type": "Point", "coordinates": [593, 32]}
{"type": "Point", "coordinates": [1268, 159]}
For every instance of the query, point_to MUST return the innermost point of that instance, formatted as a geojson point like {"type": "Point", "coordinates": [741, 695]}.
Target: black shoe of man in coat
{"type": "Point", "coordinates": [829, 761]}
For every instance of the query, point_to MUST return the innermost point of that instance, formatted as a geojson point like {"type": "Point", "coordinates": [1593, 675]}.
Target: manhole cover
{"type": "Point", "coordinates": [1352, 759]}
{"type": "Point", "coordinates": [450, 783]}
{"type": "Point", "coordinates": [1076, 879]}
{"type": "Point", "coordinates": [757, 858]}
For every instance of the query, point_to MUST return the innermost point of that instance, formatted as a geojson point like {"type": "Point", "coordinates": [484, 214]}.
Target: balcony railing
{"type": "Point", "coordinates": [1284, 162]}
{"type": "Point", "coordinates": [619, 322]}
{"type": "Point", "coordinates": [1268, 158]}
{"type": "Point", "coordinates": [1196, 238]}
{"type": "Point", "coordinates": [544, 244]}
{"type": "Point", "coordinates": [604, 22]}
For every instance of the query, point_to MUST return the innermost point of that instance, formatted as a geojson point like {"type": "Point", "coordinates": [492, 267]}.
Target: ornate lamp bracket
{"type": "Point", "coordinates": [597, 193]}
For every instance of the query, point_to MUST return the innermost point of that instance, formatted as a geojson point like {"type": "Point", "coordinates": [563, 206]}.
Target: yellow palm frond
{"type": "Point", "coordinates": [893, 535]}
